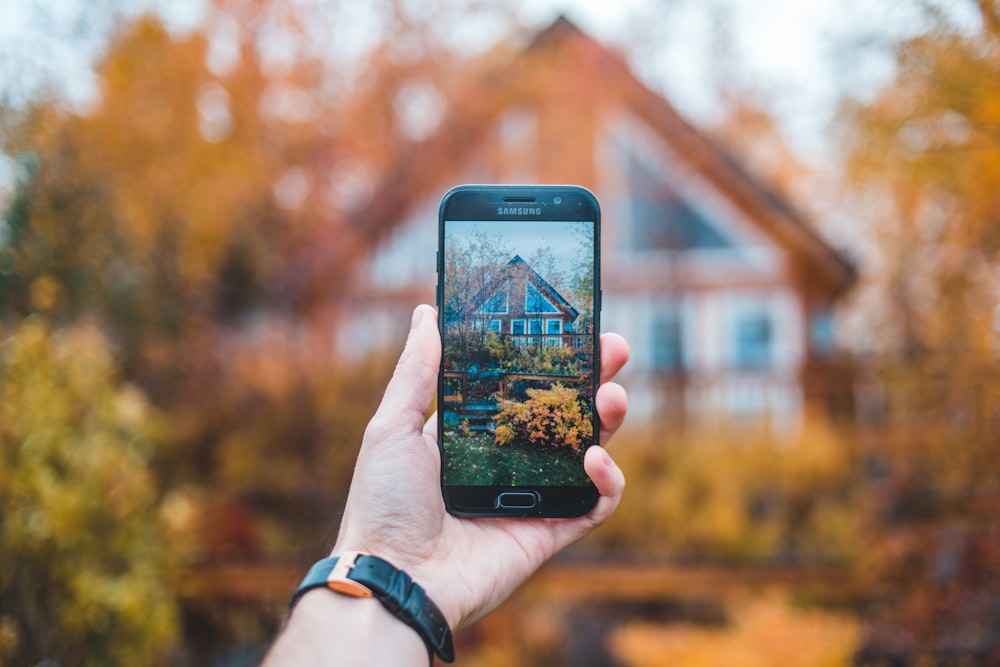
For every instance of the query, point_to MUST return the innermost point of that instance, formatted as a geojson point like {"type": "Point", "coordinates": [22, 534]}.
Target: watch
{"type": "Point", "coordinates": [362, 575]}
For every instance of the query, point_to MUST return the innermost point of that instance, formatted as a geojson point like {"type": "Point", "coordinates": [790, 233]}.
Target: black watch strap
{"type": "Point", "coordinates": [364, 575]}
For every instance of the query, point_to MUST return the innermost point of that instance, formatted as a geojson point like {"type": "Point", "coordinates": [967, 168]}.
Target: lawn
{"type": "Point", "coordinates": [476, 460]}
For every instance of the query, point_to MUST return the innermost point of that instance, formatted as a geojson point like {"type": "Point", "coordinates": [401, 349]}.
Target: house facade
{"type": "Point", "coordinates": [725, 293]}
{"type": "Point", "coordinates": [521, 305]}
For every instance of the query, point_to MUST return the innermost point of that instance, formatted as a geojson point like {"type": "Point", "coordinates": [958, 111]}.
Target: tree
{"type": "Point", "coordinates": [472, 265]}
{"type": "Point", "coordinates": [83, 578]}
{"type": "Point", "coordinates": [923, 159]}
{"type": "Point", "coordinates": [207, 205]}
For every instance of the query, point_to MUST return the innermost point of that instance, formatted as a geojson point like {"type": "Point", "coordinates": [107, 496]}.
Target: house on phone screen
{"type": "Point", "coordinates": [724, 290]}
{"type": "Point", "coordinates": [521, 305]}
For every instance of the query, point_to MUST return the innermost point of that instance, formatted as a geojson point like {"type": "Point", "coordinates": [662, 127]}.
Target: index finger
{"type": "Point", "coordinates": [410, 391]}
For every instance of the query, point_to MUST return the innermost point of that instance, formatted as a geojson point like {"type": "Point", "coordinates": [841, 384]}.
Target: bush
{"type": "Point", "coordinates": [735, 493]}
{"type": "Point", "coordinates": [770, 630]}
{"type": "Point", "coordinates": [84, 574]}
{"type": "Point", "coordinates": [553, 417]}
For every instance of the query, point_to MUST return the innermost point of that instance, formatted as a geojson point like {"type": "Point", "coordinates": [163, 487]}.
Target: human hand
{"type": "Point", "coordinates": [395, 510]}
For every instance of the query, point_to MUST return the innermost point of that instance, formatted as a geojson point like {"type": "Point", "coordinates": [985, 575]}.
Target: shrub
{"type": "Point", "coordinates": [84, 558]}
{"type": "Point", "coordinates": [553, 417]}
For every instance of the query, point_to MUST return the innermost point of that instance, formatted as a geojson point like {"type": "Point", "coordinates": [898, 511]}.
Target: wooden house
{"type": "Point", "coordinates": [725, 292]}
{"type": "Point", "coordinates": [521, 304]}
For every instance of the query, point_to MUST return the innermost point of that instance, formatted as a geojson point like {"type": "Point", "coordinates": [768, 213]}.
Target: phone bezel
{"type": "Point", "coordinates": [480, 202]}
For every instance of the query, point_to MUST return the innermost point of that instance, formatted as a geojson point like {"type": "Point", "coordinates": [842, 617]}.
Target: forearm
{"type": "Point", "coordinates": [331, 629]}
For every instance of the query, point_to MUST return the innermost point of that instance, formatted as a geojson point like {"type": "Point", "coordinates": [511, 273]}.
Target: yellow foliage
{"type": "Point", "coordinates": [44, 293]}
{"type": "Point", "coordinates": [924, 158]}
{"type": "Point", "coordinates": [83, 556]}
{"type": "Point", "coordinates": [762, 633]}
{"type": "Point", "coordinates": [732, 492]}
{"type": "Point", "coordinates": [552, 417]}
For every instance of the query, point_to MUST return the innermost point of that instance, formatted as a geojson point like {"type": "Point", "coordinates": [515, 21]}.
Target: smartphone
{"type": "Point", "coordinates": [519, 302]}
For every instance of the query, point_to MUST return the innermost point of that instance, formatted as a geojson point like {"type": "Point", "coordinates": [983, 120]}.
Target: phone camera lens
{"type": "Point", "coordinates": [557, 200]}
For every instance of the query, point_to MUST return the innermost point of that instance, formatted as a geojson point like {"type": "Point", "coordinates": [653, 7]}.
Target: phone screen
{"type": "Point", "coordinates": [519, 325]}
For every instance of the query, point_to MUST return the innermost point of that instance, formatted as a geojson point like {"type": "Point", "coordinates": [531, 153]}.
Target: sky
{"type": "Point", "coordinates": [527, 237]}
{"type": "Point", "coordinates": [778, 41]}
{"type": "Point", "coordinates": [791, 52]}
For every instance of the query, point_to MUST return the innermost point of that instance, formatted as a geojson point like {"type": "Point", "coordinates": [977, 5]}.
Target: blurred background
{"type": "Point", "coordinates": [217, 216]}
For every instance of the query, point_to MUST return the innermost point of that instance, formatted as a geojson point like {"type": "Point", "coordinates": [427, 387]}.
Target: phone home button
{"type": "Point", "coordinates": [517, 500]}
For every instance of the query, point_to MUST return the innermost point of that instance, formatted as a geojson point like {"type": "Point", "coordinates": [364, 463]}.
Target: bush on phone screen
{"type": "Point", "coordinates": [553, 417]}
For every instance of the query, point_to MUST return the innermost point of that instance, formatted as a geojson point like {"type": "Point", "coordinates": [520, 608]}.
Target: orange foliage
{"type": "Point", "coordinates": [729, 493]}
{"type": "Point", "coordinates": [763, 632]}
{"type": "Point", "coordinates": [924, 162]}
{"type": "Point", "coordinates": [549, 417]}
{"type": "Point", "coordinates": [188, 213]}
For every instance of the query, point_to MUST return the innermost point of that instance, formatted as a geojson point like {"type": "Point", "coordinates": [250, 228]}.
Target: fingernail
{"type": "Point", "coordinates": [418, 314]}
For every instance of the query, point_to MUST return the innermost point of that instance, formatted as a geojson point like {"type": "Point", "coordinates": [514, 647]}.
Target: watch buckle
{"type": "Point", "coordinates": [338, 580]}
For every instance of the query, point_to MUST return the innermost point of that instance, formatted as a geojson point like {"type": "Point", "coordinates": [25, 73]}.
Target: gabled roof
{"type": "Point", "coordinates": [432, 166]}
{"type": "Point", "coordinates": [518, 265]}
{"type": "Point", "coordinates": [774, 213]}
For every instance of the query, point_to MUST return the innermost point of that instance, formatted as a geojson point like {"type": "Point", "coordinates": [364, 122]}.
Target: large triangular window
{"type": "Point", "coordinates": [661, 219]}
{"type": "Point", "coordinates": [498, 302]}
{"type": "Point", "coordinates": [536, 303]}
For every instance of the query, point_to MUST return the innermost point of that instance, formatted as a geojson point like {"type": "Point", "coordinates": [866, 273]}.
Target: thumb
{"type": "Point", "coordinates": [414, 382]}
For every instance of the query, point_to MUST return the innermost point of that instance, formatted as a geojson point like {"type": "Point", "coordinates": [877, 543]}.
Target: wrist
{"type": "Point", "coordinates": [326, 628]}
{"type": "Point", "coordinates": [428, 574]}
{"type": "Point", "coordinates": [363, 576]}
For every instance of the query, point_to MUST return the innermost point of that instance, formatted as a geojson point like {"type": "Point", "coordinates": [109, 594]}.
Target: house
{"type": "Point", "coordinates": [521, 304]}
{"type": "Point", "coordinates": [725, 293]}
{"type": "Point", "coordinates": [525, 312]}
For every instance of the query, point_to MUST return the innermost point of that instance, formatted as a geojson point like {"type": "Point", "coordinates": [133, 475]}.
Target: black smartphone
{"type": "Point", "coordinates": [519, 303]}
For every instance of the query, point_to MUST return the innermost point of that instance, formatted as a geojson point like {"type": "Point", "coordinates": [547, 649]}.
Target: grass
{"type": "Point", "coordinates": [476, 460]}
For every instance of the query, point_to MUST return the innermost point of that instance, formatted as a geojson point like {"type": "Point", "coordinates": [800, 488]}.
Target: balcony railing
{"type": "Point", "coordinates": [572, 341]}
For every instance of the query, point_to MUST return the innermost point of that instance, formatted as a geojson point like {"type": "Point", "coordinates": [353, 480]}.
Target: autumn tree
{"type": "Point", "coordinates": [472, 266]}
{"type": "Point", "coordinates": [206, 195]}
{"type": "Point", "coordinates": [84, 554]}
{"type": "Point", "coordinates": [923, 161]}
{"type": "Point", "coordinates": [207, 212]}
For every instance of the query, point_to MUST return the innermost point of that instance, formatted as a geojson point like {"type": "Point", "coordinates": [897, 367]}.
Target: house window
{"type": "Point", "coordinates": [534, 302]}
{"type": "Point", "coordinates": [661, 219]}
{"type": "Point", "coordinates": [821, 332]}
{"type": "Point", "coordinates": [498, 302]}
{"type": "Point", "coordinates": [534, 329]}
{"type": "Point", "coordinates": [754, 340]}
{"type": "Point", "coordinates": [517, 327]}
{"type": "Point", "coordinates": [552, 329]}
{"type": "Point", "coordinates": [668, 342]}
{"type": "Point", "coordinates": [495, 326]}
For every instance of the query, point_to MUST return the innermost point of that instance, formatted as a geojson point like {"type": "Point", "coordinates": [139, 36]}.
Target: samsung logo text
{"type": "Point", "coordinates": [518, 210]}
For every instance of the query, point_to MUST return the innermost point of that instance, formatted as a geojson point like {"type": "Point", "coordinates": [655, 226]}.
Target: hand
{"type": "Point", "coordinates": [395, 510]}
